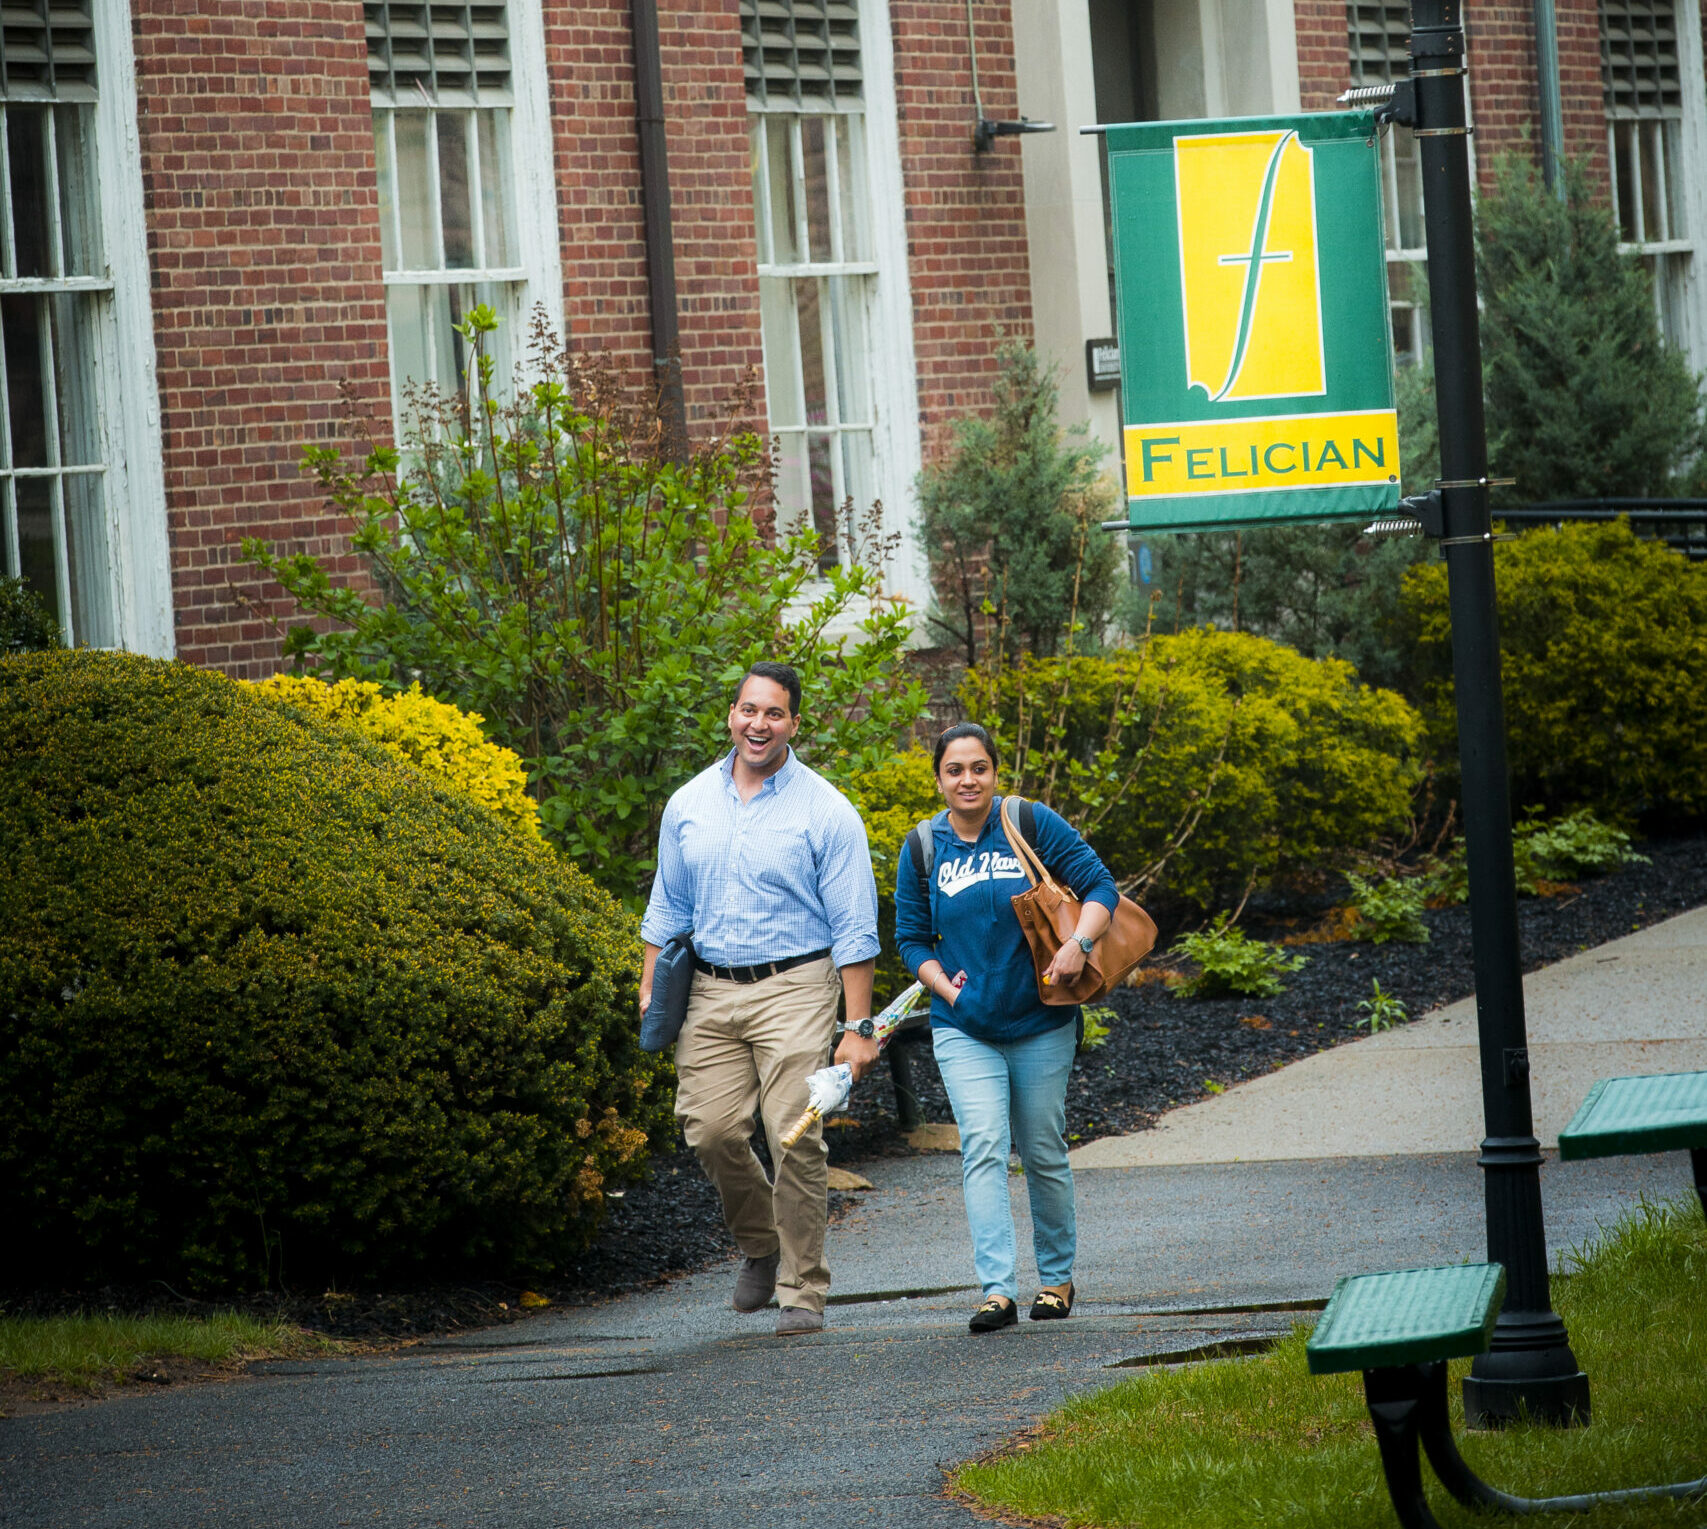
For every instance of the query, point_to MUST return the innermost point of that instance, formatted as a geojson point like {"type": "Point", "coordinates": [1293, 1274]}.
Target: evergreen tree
{"type": "Point", "coordinates": [1010, 521]}
{"type": "Point", "coordinates": [1584, 397]}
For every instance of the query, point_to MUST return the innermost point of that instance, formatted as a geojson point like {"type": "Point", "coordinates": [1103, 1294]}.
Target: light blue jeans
{"type": "Point", "coordinates": [1013, 1090]}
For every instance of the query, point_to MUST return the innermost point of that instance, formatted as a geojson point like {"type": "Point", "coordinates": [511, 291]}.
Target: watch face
{"type": "Point", "coordinates": [1086, 945]}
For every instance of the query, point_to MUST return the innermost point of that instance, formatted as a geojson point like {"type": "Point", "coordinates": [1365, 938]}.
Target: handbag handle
{"type": "Point", "coordinates": [1027, 855]}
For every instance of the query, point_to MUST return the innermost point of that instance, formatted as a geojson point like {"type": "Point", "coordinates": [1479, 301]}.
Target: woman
{"type": "Point", "coordinates": [1003, 1054]}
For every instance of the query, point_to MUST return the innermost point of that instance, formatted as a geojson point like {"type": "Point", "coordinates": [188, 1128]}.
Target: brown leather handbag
{"type": "Point", "coordinates": [1048, 913]}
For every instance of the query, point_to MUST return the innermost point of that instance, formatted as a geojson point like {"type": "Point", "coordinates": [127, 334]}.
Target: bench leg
{"type": "Point", "coordinates": [901, 1063]}
{"type": "Point", "coordinates": [1433, 1426]}
{"type": "Point", "coordinates": [1698, 1161]}
{"type": "Point", "coordinates": [1397, 1397]}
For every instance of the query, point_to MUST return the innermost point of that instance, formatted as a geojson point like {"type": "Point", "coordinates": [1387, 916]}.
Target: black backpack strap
{"type": "Point", "coordinates": [923, 841]}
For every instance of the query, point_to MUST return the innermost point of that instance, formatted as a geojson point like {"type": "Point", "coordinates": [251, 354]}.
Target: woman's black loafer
{"type": "Point", "coordinates": [1049, 1307]}
{"type": "Point", "coordinates": [993, 1314]}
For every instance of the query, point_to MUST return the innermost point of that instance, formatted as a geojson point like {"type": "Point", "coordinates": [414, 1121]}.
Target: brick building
{"type": "Point", "coordinates": [222, 216]}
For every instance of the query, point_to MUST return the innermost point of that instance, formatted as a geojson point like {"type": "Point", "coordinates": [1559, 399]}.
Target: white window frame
{"type": "Point", "coordinates": [892, 380]}
{"type": "Point", "coordinates": [1678, 140]}
{"type": "Point", "coordinates": [537, 274]}
{"type": "Point", "coordinates": [124, 391]}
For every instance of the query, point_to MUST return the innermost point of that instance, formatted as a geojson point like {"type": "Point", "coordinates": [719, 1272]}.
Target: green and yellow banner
{"type": "Point", "coordinates": [1256, 353]}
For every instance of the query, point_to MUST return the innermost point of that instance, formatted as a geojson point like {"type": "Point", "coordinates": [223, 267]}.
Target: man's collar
{"type": "Point", "coordinates": [778, 779]}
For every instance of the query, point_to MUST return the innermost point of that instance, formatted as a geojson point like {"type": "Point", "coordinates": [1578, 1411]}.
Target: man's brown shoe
{"type": "Point", "coordinates": [756, 1283]}
{"type": "Point", "coordinates": [797, 1319]}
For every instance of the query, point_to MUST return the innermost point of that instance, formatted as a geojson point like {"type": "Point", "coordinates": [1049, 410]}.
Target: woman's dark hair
{"type": "Point", "coordinates": [779, 674]}
{"type": "Point", "coordinates": [964, 730]}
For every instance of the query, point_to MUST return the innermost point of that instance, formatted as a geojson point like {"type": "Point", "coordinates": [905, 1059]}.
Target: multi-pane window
{"type": "Point", "coordinates": [54, 294]}
{"type": "Point", "coordinates": [1378, 36]}
{"type": "Point", "coordinates": [442, 99]}
{"type": "Point", "coordinates": [817, 264]}
{"type": "Point", "coordinates": [1644, 131]}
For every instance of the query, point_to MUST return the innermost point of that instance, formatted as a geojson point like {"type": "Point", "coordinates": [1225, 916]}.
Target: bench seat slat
{"type": "Point", "coordinates": [1409, 1316]}
{"type": "Point", "coordinates": [1662, 1113]}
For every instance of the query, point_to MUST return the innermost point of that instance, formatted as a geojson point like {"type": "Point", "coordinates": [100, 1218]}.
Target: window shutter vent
{"type": "Point", "coordinates": [437, 55]}
{"type": "Point", "coordinates": [801, 52]}
{"type": "Point", "coordinates": [1638, 58]}
{"type": "Point", "coordinates": [1378, 37]}
{"type": "Point", "coordinates": [47, 51]}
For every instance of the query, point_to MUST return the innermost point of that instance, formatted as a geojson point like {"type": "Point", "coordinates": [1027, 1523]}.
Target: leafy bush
{"type": "Point", "coordinates": [1390, 909]}
{"type": "Point", "coordinates": [275, 1005]}
{"type": "Point", "coordinates": [1584, 397]}
{"type": "Point", "coordinates": [26, 624]}
{"type": "Point", "coordinates": [445, 743]}
{"type": "Point", "coordinates": [1329, 591]}
{"type": "Point", "coordinates": [547, 565]}
{"type": "Point", "coordinates": [1381, 1010]}
{"type": "Point", "coordinates": [1578, 845]}
{"type": "Point", "coordinates": [1563, 850]}
{"type": "Point", "coordinates": [1202, 763]}
{"type": "Point", "coordinates": [1603, 657]}
{"type": "Point", "coordinates": [1099, 1025]}
{"type": "Point", "coordinates": [1229, 962]}
{"type": "Point", "coordinates": [1010, 518]}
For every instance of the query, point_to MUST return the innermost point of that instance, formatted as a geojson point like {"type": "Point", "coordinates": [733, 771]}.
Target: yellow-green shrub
{"type": "Point", "coordinates": [1603, 659]}
{"type": "Point", "coordinates": [428, 733]}
{"type": "Point", "coordinates": [271, 1002]}
{"type": "Point", "coordinates": [1301, 764]}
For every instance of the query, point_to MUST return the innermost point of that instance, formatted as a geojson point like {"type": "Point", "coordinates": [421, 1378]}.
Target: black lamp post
{"type": "Point", "coordinates": [1529, 1369]}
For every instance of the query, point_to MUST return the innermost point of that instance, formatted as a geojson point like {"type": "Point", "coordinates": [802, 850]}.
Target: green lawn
{"type": "Point", "coordinates": [85, 1352]}
{"type": "Point", "coordinates": [1260, 1441]}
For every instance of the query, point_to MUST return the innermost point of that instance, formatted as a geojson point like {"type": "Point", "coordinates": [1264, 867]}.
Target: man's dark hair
{"type": "Point", "coordinates": [779, 674]}
{"type": "Point", "coordinates": [964, 730]}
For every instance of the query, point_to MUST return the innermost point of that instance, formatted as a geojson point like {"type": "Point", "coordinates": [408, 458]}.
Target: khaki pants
{"type": "Point", "coordinates": [747, 1045]}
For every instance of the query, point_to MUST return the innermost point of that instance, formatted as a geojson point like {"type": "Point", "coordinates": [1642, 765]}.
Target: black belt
{"type": "Point", "coordinates": [756, 973]}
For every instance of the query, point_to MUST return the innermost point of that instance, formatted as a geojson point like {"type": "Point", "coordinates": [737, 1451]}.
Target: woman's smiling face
{"type": "Point", "coordinates": [966, 777]}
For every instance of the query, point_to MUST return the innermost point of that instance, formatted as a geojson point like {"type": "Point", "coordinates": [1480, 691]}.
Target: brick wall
{"type": "Point", "coordinates": [263, 235]}
{"type": "Point", "coordinates": [1582, 101]}
{"type": "Point", "coordinates": [966, 240]}
{"type": "Point", "coordinates": [1504, 99]}
{"type": "Point", "coordinates": [590, 59]}
{"type": "Point", "coordinates": [1323, 66]}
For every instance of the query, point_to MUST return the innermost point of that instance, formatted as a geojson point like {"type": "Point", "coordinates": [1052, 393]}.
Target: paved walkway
{"type": "Point", "coordinates": [669, 1410]}
{"type": "Point", "coordinates": [1637, 1005]}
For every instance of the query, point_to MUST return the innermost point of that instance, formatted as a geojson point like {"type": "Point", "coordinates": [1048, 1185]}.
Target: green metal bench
{"type": "Point", "coordinates": [1625, 1116]}
{"type": "Point", "coordinates": [1400, 1329]}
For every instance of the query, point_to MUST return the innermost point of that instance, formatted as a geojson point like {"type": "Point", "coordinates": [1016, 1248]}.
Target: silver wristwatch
{"type": "Point", "coordinates": [1085, 945]}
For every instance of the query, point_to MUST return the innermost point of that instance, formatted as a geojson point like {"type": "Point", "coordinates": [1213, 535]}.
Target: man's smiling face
{"type": "Point", "coordinates": [761, 725]}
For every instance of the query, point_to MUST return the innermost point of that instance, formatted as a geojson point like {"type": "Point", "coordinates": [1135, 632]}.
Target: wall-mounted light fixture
{"type": "Point", "coordinates": [984, 131]}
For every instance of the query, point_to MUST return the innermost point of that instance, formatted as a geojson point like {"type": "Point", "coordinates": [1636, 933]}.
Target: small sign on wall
{"type": "Point", "coordinates": [1258, 359]}
{"type": "Point", "coordinates": [1102, 364]}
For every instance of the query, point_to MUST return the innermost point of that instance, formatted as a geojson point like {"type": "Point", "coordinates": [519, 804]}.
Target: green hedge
{"type": "Point", "coordinates": [276, 1006]}
{"type": "Point", "coordinates": [1313, 766]}
{"type": "Point", "coordinates": [1603, 656]}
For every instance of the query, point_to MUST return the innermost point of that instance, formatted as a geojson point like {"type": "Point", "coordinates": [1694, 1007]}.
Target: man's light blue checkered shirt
{"type": "Point", "coordinates": [782, 875]}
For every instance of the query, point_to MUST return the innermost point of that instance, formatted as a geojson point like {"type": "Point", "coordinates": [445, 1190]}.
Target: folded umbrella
{"type": "Point", "coordinates": [828, 1088]}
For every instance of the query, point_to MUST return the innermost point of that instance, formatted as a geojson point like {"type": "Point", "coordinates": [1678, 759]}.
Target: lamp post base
{"type": "Point", "coordinates": [1540, 1384]}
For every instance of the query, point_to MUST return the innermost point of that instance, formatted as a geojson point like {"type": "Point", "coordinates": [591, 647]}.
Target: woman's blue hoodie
{"type": "Point", "coordinates": [967, 921]}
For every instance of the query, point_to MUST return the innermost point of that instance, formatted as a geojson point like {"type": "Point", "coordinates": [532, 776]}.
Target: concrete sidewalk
{"type": "Point", "coordinates": [1637, 1005]}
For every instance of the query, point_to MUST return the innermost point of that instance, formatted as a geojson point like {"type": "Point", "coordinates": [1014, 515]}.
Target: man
{"type": "Point", "coordinates": [767, 863]}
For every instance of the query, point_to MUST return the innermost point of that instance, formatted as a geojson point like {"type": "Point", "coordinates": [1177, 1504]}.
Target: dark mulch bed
{"type": "Point", "coordinates": [1165, 1050]}
{"type": "Point", "coordinates": [1162, 1052]}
